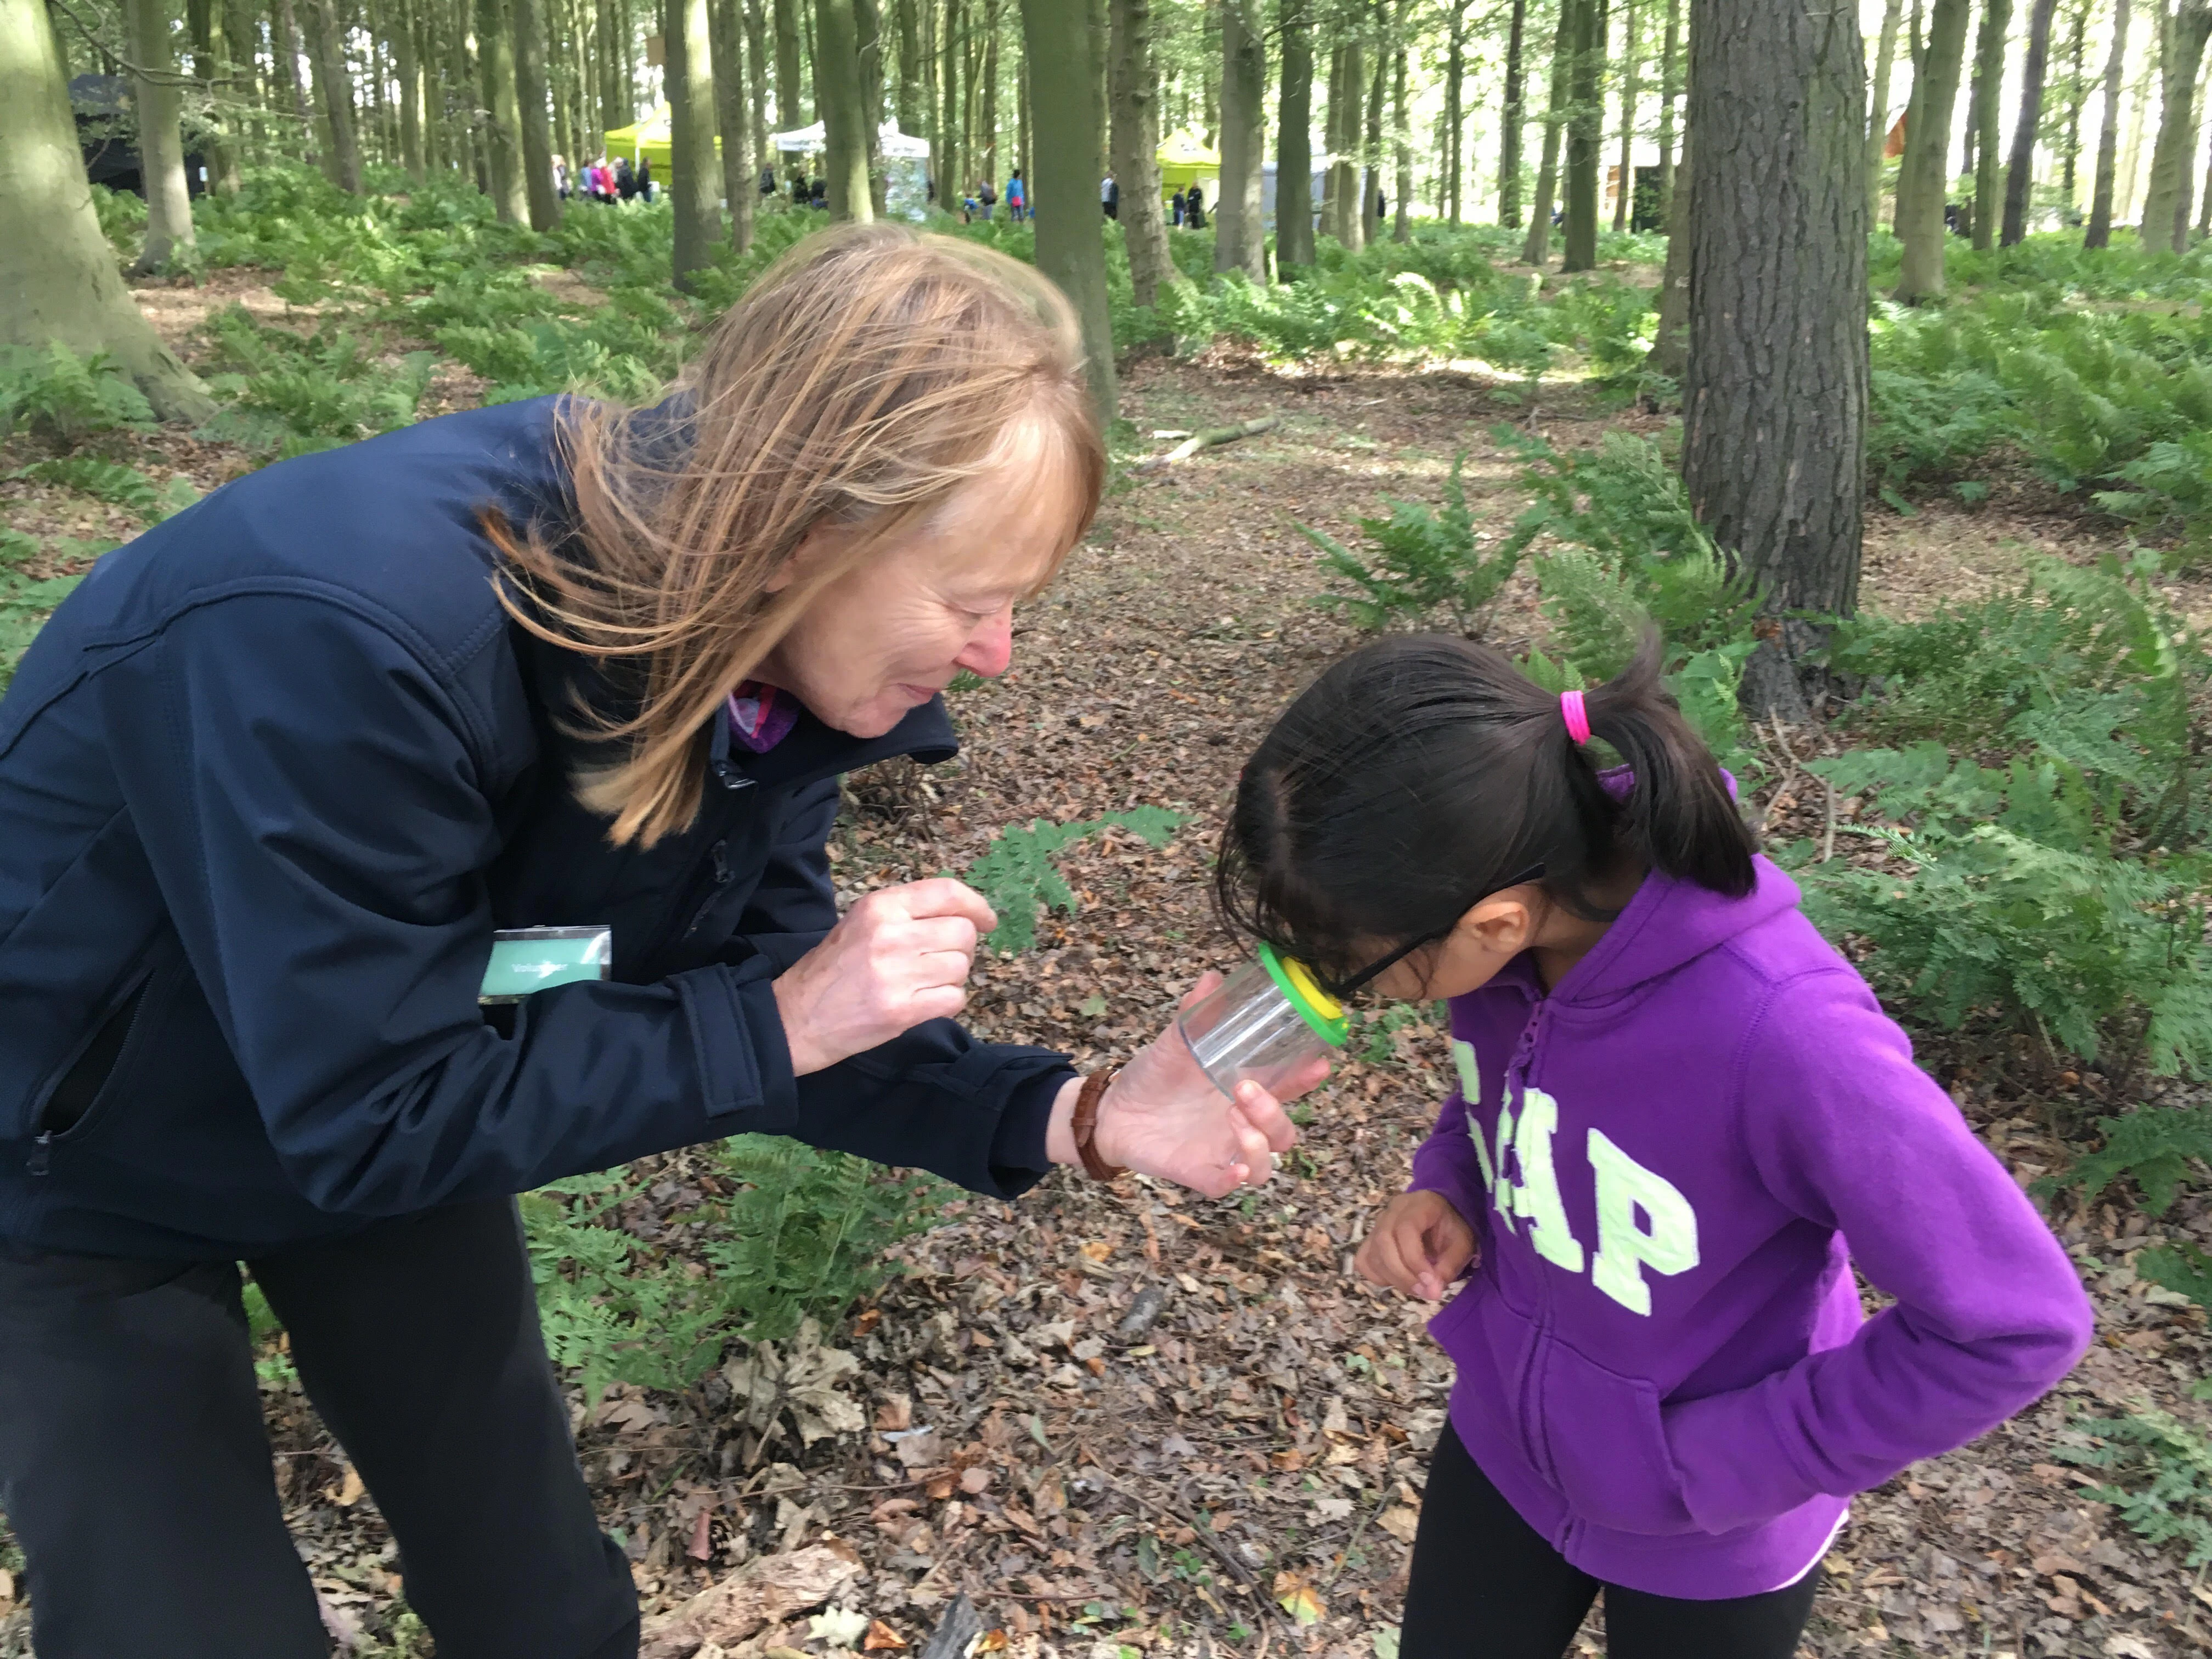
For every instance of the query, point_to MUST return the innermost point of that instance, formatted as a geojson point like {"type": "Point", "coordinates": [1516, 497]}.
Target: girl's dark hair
{"type": "Point", "coordinates": [1425, 771]}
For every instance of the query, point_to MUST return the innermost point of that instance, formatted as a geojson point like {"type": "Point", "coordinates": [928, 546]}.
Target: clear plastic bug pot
{"type": "Point", "coordinates": [1268, 1021]}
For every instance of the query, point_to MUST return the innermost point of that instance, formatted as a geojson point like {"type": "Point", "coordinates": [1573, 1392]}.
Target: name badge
{"type": "Point", "coordinates": [527, 960]}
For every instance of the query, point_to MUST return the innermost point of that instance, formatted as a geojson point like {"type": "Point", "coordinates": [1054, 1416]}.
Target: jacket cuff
{"type": "Point", "coordinates": [1018, 1160]}
{"type": "Point", "coordinates": [738, 1030]}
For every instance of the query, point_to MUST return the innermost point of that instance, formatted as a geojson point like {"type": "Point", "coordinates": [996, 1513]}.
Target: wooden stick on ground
{"type": "Point", "coordinates": [1207, 440]}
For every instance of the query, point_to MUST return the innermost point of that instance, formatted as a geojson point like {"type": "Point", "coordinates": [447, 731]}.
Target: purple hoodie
{"type": "Point", "coordinates": [1662, 1359]}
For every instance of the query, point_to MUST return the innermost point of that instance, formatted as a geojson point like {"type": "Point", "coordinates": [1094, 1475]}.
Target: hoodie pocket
{"type": "Point", "coordinates": [1606, 1445]}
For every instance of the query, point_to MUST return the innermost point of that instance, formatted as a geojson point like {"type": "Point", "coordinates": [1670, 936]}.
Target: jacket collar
{"type": "Point", "coordinates": [811, 750]}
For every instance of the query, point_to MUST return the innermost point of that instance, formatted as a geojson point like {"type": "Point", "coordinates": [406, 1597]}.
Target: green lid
{"type": "Point", "coordinates": [1315, 1007]}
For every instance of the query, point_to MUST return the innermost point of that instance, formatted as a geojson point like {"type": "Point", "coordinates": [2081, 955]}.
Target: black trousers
{"type": "Point", "coordinates": [135, 1471]}
{"type": "Point", "coordinates": [1485, 1585]}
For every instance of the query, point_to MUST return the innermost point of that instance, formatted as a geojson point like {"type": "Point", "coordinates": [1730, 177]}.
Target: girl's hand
{"type": "Point", "coordinates": [1162, 1116]}
{"type": "Point", "coordinates": [897, 957]}
{"type": "Point", "coordinates": [1419, 1244]}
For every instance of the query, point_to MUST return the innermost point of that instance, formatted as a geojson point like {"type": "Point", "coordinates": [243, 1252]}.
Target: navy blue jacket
{"type": "Point", "coordinates": [269, 781]}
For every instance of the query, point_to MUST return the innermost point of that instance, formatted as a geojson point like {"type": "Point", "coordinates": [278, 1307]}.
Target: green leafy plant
{"type": "Point", "coordinates": [1420, 562]}
{"type": "Point", "coordinates": [25, 601]}
{"type": "Point", "coordinates": [2153, 1147]}
{"type": "Point", "coordinates": [115, 483]}
{"type": "Point", "coordinates": [2158, 1475]}
{"type": "Point", "coordinates": [1019, 878]}
{"type": "Point", "coordinates": [65, 398]}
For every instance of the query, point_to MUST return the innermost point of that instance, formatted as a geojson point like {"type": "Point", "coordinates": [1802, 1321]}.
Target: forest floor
{"type": "Point", "coordinates": [1130, 1420]}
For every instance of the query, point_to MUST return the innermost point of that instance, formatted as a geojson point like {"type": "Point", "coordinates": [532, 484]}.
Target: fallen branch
{"type": "Point", "coordinates": [1207, 440]}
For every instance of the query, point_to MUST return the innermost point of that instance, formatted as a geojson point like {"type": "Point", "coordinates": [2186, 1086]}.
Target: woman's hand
{"type": "Point", "coordinates": [1419, 1245]}
{"type": "Point", "coordinates": [899, 957]}
{"type": "Point", "coordinates": [1164, 1117]}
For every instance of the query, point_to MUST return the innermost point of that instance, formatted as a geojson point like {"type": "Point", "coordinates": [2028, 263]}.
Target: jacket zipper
{"type": "Point", "coordinates": [42, 1147]}
{"type": "Point", "coordinates": [719, 856]}
{"type": "Point", "coordinates": [1531, 1403]}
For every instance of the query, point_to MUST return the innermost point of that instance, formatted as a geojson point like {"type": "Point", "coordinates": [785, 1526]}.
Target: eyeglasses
{"type": "Point", "coordinates": [1343, 991]}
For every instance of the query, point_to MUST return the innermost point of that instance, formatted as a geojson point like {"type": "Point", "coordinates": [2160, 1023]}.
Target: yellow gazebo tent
{"type": "Point", "coordinates": [648, 141]}
{"type": "Point", "coordinates": [1185, 161]}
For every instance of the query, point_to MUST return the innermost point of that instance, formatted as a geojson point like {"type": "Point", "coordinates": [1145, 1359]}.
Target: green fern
{"type": "Point", "coordinates": [2153, 1147]}
{"type": "Point", "coordinates": [66, 398]}
{"type": "Point", "coordinates": [2160, 1477]}
{"type": "Point", "coordinates": [1420, 562]}
{"type": "Point", "coordinates": [119, 485]}
{"type": "Point", "coordinates": [1018, 877]}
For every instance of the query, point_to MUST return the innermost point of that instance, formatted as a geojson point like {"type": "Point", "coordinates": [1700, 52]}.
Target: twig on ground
{"type": "Point", "coordinates": [1208, 439]}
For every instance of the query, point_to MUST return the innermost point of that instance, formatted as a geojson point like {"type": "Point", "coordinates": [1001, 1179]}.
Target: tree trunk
{"type": "Point", "coordinates": [1294, 204]}
{"type": "Point", "coordinates": [2100, 233]}
{"type": "Point", "coordinates": [288, 47]}
{"type": "Point", "coordinates": [1775, 399]}
{"type": "Point", "coordinates": [502, 110]}
{"type": "Point", "coordinates": [410, 92]}
{"type": "Point", "coordinates": [726, 35]}
{"type": "Point", "coordinates": [952, 172]}
{"type": "Point", "coordinates": [614, 97]}
{"type": "Point", "coordinates": [1884, 61]}
{"type": "Point", "coordinates": [2165, 202]}
{"type": "Point", "coordinates": [56, 268]}
{"type": "Point", "coordinates": [1371, 173]}
{"type": "Point", "coordinates": [217, 145]}
{"type": "Point", "coordinates": [2138, 110]}
{"type": "Point", "coordinates": [1900, 214]}
{"type": "Point", "coordinates": [334, 85]}
{"type": "Point", "coordinates": [763, 159]}
{"type": "Point", "coordinates": [1585, 135]}
{"type": "Point", "coordinates": [1537, 247]}
{"type": "Point", "coordinates": [687, 70]}
{"type": "Point", "coordinates": [241, 49]}
{"type": "Point", "coordinates": [2021, 165]}
{"type": "Point", "coordinates": [1989, 85]}
{"type": "Point", "coordinates": [1928, 154]}
{"type": "Point", "coordinates": [1350, 222]}
{"type": "Point", "coordinates": [2078, 93]}
{"type": "Point", "coordinates": [1239, 236]}
{"type": "Point", "coordinates": [469, 134]}
{"type": "Point", "coordinates": [1623, 197]}
{"type": "Point", "coordinates": [868, 32]}
{"type": "Point", "coordinates": [160, 146]}
{"type": "Point", "coordinates": [1401, 227]}
{"type": "Point", "coordinates": [1514, 117]}
{"type": "Point", "coordinates": [533, 102]}
{"type": "Point", "coordinates": [1136, 148]}
{"type": "Point", "coordinates": [1070, 247]}
{"type": "Point", "coordinates": [842, 98]}
{"type": "Point", "coordinates": [911, 89]}
{"type": "Point", "coordinates": [1671, 341]}
{"type": "Point", "coordinates": [987, 130]}
{"type": "Point", "coordinates": [790, 112]}
{"type": "Point", "coordinates": [1666, 72]}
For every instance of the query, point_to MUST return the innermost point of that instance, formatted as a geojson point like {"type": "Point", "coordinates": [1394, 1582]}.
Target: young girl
{"type": "Point", "coordinates": [1677, 1102]}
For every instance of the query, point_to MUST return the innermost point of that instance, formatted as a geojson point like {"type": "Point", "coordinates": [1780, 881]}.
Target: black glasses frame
{"type": "Point", "coordinates": [1346, 990]}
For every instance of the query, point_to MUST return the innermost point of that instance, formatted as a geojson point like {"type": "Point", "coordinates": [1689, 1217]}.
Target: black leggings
{"type": "Point", "coordinates": [1485, 1585]}
{"type": "Point", "coordinates": [135, 1473]}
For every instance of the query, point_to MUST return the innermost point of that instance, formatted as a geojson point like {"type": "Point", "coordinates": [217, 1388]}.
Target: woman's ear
{"type": "Point", "coordinates": [1502, 925]}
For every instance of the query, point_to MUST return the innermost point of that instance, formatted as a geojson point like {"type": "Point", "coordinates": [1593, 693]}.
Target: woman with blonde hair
{"type": "Point", "coordinates": [278, 773]}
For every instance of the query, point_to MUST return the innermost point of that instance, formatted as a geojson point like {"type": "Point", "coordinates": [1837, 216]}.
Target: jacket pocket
{"type": "Point", "coordinates": [1606, 1446]}
{"type": "Point", "coordinates": [101, 1071]}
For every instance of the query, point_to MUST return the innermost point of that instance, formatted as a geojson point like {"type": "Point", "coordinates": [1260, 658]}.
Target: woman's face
{"type": "Point", "coordinates": [892, 633]}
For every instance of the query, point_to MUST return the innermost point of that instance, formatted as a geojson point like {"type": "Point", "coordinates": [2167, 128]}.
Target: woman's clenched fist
{"type": "Point", "coordinates": [899, 957]}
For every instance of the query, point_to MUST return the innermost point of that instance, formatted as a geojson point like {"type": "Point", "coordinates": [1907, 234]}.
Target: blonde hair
{"type": "Point", "coordinates": [865, 377]}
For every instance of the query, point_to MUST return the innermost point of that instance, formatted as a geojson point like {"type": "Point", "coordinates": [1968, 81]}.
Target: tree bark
{"type": "Point", "coordinates": [1136, 143]}
{"type": "Point", "coordinates": [1623, 197]}
{"type": "Point", "coordinates": [2021, 165]}
{"type": "Point", "coordinates": [2100, 232]}
{"type": "Point", "coordinates": [1238, 235]}
{"type": "Point", "coordinates": [1928, 154]}
{"type": "Point", "coordinates": [842, 98]}
{"type": "Point", "coordinates": [614, 99]}
{"type": "Point", "coordinates": [988, 125]}
{"type": "Point", "coordinates": [2138, 105]}
{"type": "Point", "coordinates": [2078, 93]}
{"type": "Point", "coordinates": [289, 46]}
{"type": "Point", "coordinates": [763, 159]}
{"type": "Point", "coordinates": [952, 172]}
{"type": "Point", "coordinates": [1346, 183]}
{"type": "Point", "coordinates": [240, 43]}
{"type": "Point", "coordinates": [790, 111]}
{"type": "Point", "coordinates": [1666, 71]}
{"type": "Point", "coordinates": [1989, 85]}
{"type": "Point", "coordinates": [726, 35]}
{"type": "Point", "coordinates": [911, 90]}
{"type": "Point", "coordinates": [409, 63]}
{"type": "Point", "coordinates": [688, 64]}
{"type": "Point", "coordinates": [160, 146]}
{"type": "Point", "coordinates": [1514, 117]}
{"type": "Point", "coordinates": [1900, 213]}
{"type": "Point", "coordinates": [217, 145]}
{"type": "Point", "coordinates": [1070, 248]}
{"type": "Point", "coordinates": [1885, 62]}
{"type": "Point", "coordinates": [1294, 204]}
{"type": "Point", "coordinates": [868, 32]}
{"type": "Point", "coordinates": [2165, 202]}
{"type": "Point", "coordinates": [502, 126]}
{"type": "Point", "coordinates": [56, 268]}
{"type": "Point", "coordinates": [1537, 247]}
{"type": "Point", "coordinates": [1775, 399]}
{"type": "Point", "coordinates": [1585, 135]}
{"type": "Point", "coordinates": [1670, 340]}
{"type": "Point", "coordinates": [334, 89]}
{"type": "Point", "coordinates": [1401, 226]}
{"type": "Point", "coordinates": [533, 102]}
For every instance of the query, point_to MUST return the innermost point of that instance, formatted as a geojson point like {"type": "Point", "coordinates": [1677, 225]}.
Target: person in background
{"type": "Point", "coordinates": [1194, 208]}
{"type": "Point", "coordinates": [1175, 208]}
{"type": "Point", "coordinates": [645, 177]}
{"type": "Point", "coordinates": [987, 194]}
{"type": "Point", "coordinates": [1682, 1120]}
{"type": "Point", "coordinates": [561, 177]}
{"type": "Point", "coordinates": [818, 196]}
{"type": "Point", "coordinates": [625, 180]}
{"type": "Point", "coordinates": [768, 181]}
{"type": "Point", "coordinates": [1109, 197]}
{"type": "Point", "coordinates": [799, 196]}
{"type": "Point", "coordinates": [1018, 199]}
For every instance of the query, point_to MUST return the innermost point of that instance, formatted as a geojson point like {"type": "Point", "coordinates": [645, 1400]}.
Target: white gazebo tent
{"type": "Point", "coordinates": [906, 185]}
{"type": "Point", "coordinates": [895, 145]}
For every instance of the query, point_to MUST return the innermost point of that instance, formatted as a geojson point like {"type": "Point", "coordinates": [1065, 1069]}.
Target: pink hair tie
{"type": "Point", "coordinates": [1576, 717]}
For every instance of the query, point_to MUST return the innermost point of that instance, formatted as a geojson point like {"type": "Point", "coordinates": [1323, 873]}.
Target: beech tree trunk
{"type": "Point", "coordinates": [160, 145]}
{"type": "Point", "coordinates": [409, 61]}
{"type": "Point", "coordinates": [2077, 93]}
{"type": "Point", "coordinates": [953, 169]}
{"type": "Point", "coordinates": [693, 183]}
{"type": "Point", "coordinates": [790, 111]}
{"type": "Point", "coordinates": [1899, 209]}
{"type": "Point", "coordinates": [1136, 142]}
{"type": "Point", "coordinates": [913, 90]}
{"type": "Point", "coordinates": [1514, 117]}
{"type": "Point", "coordinates": [1623, 197]}
{"type": "Point", "coordinates": [1670, 340]}
{"type": "Point", "coordinates": [1667, 94]}
{"type": "Point", "coordinates": [502, 110]}
{"type": "Point", "coordinates": [726, 34]}
{"type": "Point", "coordinates": [1537, 247]}
{"type": "Point", "coordinates": [1775, 398]}
{"type": "Point", "coordinates": [1989, 84]}
{"type": "Point", "coordinates": [334, 90]}
{"type": "Point", "coordinates": [1294, 204]}
{"type": "Point", "coordinates": [2166, 201]}
{"type": "Point", "coordinates": [1401, 227]}
{"type": "Point", "coordinates": [1921, 186]}
{"type": "Point", "coordinates": [841, 93]}
{"type": "Point", "coordinates": [1070, 248]}
{"type": "Point", "coordinates": [1885, 62]}
{"type": "Point", "coordinates": [2020, 170]}
{"type": "Point", "coordinates": [56, 268]}
{"type": "Point", "coordinates": [2100, 233]}
{"type": "Point", "coordinates": [217, 145]}
{"type": "Point", "coordinates": [534, 100]}
{"type": "Point", "coordinates": [614, 97]}
{"type": "Point", "coordinates": [1585, 133]}
{"type": "Point", "coordinates": [1239, 235]}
